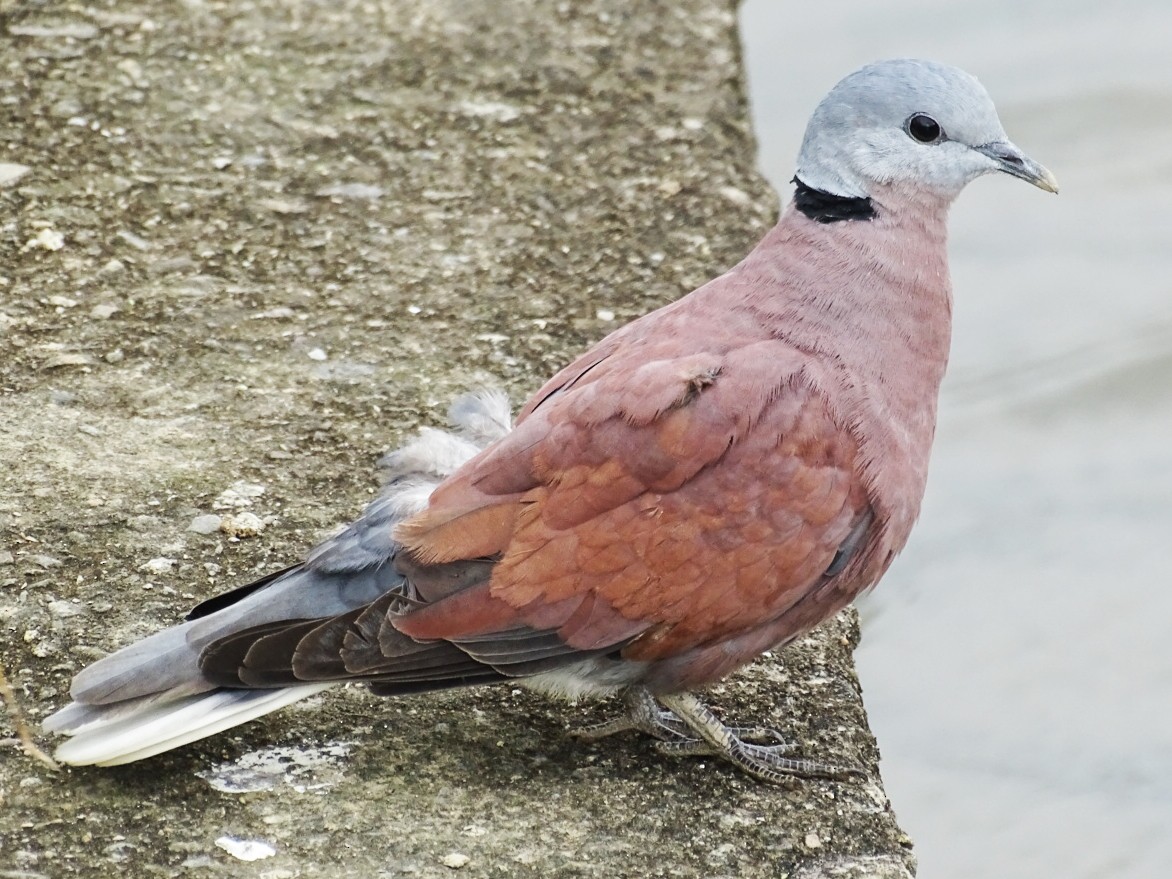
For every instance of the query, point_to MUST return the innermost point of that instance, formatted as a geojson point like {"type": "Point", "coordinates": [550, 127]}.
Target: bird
{"type": "Point", "coordinates": [706, 483]}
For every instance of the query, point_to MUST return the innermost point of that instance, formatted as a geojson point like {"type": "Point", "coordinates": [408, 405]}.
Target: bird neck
{"type": "Point", "coordinates": [876, 277]}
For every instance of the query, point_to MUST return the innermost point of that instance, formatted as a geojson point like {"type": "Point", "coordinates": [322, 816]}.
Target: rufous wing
{"type": "Point", "coordinates": [657, 506]}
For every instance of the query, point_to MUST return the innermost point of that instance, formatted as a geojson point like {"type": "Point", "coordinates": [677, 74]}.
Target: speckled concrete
{"type": "Point", "coordinates": [262, 241]}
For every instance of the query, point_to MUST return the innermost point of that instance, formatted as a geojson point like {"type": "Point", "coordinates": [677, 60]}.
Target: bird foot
{"type": "Point", "coordinates": [767, 763]}
{"type": "Point", "coordinates": [690, 729]}
{"type": "Point", "coordinates": [643, 715]}
{"type": "Point", "coordinates": [758, 751]}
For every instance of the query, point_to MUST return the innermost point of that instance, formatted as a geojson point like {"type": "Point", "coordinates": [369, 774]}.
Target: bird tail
{"type": "Point", "coordinates": [110, 735]}
{"type": "Point", "coordinates": [153, 696]}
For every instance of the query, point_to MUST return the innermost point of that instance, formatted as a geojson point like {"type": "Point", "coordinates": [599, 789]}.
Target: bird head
{"type": "Point", "coordinates": [911, 124]}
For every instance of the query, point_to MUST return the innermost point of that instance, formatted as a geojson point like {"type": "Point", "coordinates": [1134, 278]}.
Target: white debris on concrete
{"type": "Point", "coordinates": [246, 849]}
{"type": "Point", "coordinates": [238, 495]}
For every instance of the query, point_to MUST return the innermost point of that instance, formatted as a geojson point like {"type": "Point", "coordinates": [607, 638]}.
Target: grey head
{"type": "Point", "coordinates": [911, 123]}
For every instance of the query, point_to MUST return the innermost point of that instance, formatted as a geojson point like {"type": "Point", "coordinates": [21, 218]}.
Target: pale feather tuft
{"type": "Point", "coordinates": [479, 418]}
{"type": "Point", "coordinates": [483, 416]}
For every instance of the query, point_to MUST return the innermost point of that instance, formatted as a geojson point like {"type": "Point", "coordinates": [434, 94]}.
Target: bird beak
{"type": "Point", "coordinates": [1013, 161]}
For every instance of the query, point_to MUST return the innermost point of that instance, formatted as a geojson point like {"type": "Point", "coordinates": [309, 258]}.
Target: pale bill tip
{"type": "Point", "coordinates": [1045, 180]}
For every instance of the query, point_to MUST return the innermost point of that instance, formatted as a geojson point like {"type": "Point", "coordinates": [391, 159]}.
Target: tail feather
{"type": "Point", "coordinates": [80, 717]}
{"type": "Point", "coordinates": [156, 664]}
{"type": "Point", "coordinates": [117, 734]}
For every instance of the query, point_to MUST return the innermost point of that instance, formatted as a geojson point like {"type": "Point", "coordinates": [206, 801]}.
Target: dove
{"type": "Point", "coordinates": [708, 482]}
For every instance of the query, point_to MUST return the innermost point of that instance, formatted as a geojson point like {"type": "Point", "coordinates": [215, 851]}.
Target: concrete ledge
{"type": "Point", "coordinates": [261, 242]}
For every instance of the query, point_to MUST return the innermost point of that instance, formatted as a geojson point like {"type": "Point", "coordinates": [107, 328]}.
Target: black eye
{"type": "Point", "coordinates": [924, 128]}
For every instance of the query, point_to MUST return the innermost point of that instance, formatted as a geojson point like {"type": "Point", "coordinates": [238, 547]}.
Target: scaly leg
{"type": "Point", "coordinates": [763, 762]}
{"type": "Point", "coordinates": [643, 715]}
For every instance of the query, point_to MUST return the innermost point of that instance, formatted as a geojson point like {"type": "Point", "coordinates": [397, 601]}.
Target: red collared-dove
{"type": "Point", "coordinates": [704, 484]}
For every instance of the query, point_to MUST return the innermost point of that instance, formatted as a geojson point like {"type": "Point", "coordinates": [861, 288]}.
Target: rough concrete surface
{"type": "Point", "coordinates": [260, 242]}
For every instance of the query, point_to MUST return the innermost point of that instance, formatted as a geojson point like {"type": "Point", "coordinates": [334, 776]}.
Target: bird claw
{"type": "Point", "coordinates": [764, 762]}
{"type": "Point", "coordinates": [760, 735]}
{"type": "Point", "coordinates": [690, 729]}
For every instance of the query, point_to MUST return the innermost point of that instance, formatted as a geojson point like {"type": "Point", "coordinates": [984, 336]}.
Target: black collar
{"type": "Point", "coordinates": [824, 207]}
